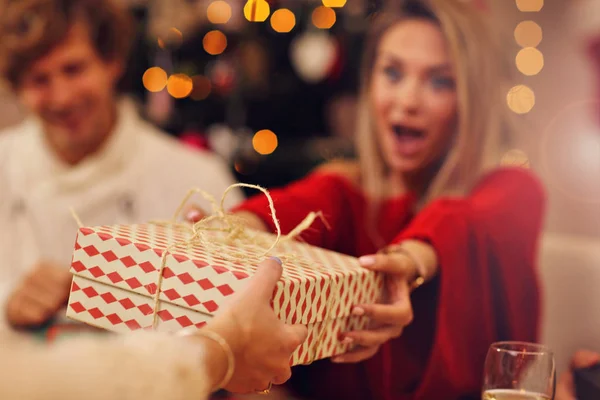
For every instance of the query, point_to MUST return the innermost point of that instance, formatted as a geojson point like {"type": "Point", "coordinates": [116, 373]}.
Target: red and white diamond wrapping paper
{"type": "Point", "coordinates": [116, 269]}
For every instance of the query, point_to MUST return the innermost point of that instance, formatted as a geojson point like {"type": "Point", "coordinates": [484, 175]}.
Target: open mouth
{"type": "Point", "coordinates": [409, 140]}
{"type": "Point", "coordinates": [404, 132]}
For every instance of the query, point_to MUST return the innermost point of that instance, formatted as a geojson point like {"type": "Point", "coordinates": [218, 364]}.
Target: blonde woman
{"type": "Point", "coordinates": [429, 205]}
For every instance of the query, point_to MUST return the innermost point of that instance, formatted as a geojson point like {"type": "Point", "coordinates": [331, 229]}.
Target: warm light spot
{"type": "Point", "coordinates": [154, 79]}
{"type": "Point", "coordinates": [245, 166]}
{"type": "Point", "coordinates": [334, 3]}
{"type": "Point", "coordinates": [264, 142]}
{"type": "Point", "coordinates": [515, 158]}
{"type": "Point", "coordinates": [528, 34]}
{"type": "Point", "coordinates": [219, 12]}
{"type": "Point", "coordinates": [323, 17]}
{"type": "Point", "coordinates": [520, 99]}
{"type": "Point", "coordinates": [201, 89]}
{"type": "Point", "coordinates": [172, 38]}
{"type": "Point", "coordinates": [530, 5]}
{"type": "Point", "coordinates": [257, 10]}
{"type": "Point", "coordinates": [239, 167]}
{"type": "Point", "coordinates": [180, 86]}
{"type": "Point", "coordinates": [283, 20]}
{"type": "Point", "coordinates": [214, 42]}
{"type": "Point", "coordinates": [530, 61]}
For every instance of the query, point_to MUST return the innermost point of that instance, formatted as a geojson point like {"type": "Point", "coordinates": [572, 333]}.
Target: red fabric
{"type": "Point", "coordinates": [195, 140]}
{"type": "Point", "coordinates": [486, 289]}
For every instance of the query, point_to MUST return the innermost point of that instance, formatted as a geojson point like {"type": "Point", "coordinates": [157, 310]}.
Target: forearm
{"type": "Point", "coordinates": [128, 367]}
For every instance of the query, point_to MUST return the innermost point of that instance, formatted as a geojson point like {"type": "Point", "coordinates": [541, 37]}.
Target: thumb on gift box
{"type": "Point", "coordinates": [265, 279]}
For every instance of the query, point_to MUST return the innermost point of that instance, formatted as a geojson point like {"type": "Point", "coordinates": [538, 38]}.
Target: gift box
{"type": "Point", "coordinates": [168, 277]}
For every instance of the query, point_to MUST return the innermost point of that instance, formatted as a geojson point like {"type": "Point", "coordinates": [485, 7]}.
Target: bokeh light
{"type": "Point", "coordinates": [154, 79]}
{"type": "Point", "coordinates": [515, 158]}
{"type": "Point", "coordinates": [257, 10]}
{"type": "Point", "coordinates": [520, 99]}
{"type": "Point", "coordinates": [530, 5]}
{"type": "Point", "coordinates": [313, 55]}
{"type": "Point", "coordinates": [201, 88]}
{"type": "Point", "coordinates": [218, 12]}
{"type": "Point", "coordinates": [528, 34]}
{"type": "Point", "coordinates": [334, 3]}
{"type": "Point", "coordinates": [283, 20]}
{"type": "Point", "coordinates": [180, 86]}
{"type": "Point", "coordinates": [264, 142]}
{"type": "Point", "coordinates": [323, 17]}
{"type": "Point", "coordinates": [172, 38]}
{"type": "Point", "coordinates": [214, 42]}
{"type": "Point", "coordinates": [530, 61]}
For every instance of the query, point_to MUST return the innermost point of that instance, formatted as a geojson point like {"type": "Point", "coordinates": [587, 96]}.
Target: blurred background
{"type": "Point", "coordinates": [272, 89]}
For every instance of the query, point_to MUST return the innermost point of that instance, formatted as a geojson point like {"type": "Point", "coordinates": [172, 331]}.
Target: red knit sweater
{"type": "Point", "coordinates": [486, 289]}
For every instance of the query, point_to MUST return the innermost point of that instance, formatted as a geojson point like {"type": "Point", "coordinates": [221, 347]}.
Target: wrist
{"type": "Point", "coordinates": [226, 326]}
{"type": "Point", "coordinates": [420, 258]}
{"type": "Point", "coordinates": [218, 351]}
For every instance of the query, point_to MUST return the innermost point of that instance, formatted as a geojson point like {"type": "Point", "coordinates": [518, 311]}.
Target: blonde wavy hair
{"type": "Point", "coordinates": [482, 78]}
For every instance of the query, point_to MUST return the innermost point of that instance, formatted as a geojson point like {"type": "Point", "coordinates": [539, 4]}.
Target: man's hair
{"type": "Point", "coordinates": [30, 29]}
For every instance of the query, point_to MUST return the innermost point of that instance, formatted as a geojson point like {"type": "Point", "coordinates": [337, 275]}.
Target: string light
{"type": "Point", "coordinates": [334, 3]}
{"type": "Point", "coordinates": [264, 142]}
{"type": "Point", "coordinates": [520, 99]}
{"type": "Point", "coordinates": [180, 86]}
{"type": "Point", "coordinates": [323, 17]}
{"type": "Point", "coordinates": [530, 61]}
{"type": "Point", "coordinates": [528, 34]}
{"type": "Point", "coordinates": [283, 20]}
{"type": "Point", "coordinates": [154, 79]}
{"type": "Point", "coordinates": [214, 42]}
{"type": "Point", "coordinates": [257, 10]}
{"type": "Point", "coordinates": [218, 12]}
{"type": "Point", "coordinates": [530, 5]}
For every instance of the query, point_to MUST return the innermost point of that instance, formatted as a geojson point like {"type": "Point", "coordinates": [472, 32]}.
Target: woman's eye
{"type": "Point", "coordinates": [392, 73]}
{"type": "Point", "coordinates": [439, 82]}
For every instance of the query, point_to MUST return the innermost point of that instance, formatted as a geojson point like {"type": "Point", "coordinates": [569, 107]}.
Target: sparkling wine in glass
{"type": "Point", "coordinates": [519, 371]}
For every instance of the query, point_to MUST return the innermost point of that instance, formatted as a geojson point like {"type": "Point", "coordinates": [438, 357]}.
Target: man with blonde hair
{"type": "Point", "coordinates": [82, 147]}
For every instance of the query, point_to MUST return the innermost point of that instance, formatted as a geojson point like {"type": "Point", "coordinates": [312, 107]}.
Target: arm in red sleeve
{"type": "Point", "coordinates": [327, 193]}
{"type": "Point", "coordinates": [486, 246]}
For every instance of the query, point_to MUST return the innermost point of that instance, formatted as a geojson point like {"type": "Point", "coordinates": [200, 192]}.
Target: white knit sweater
{"type": "Point", "coordinates": [146, 366]}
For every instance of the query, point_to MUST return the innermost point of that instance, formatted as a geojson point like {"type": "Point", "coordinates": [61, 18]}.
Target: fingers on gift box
{"type": "Point", "coordinates": [154, 276]}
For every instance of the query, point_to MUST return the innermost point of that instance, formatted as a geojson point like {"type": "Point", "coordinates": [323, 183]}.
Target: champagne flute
{"type": "Point", "coordinates": [519, 371]}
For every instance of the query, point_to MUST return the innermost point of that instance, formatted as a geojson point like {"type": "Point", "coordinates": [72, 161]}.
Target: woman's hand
{"type": "Point", "coordinates": [261, 343]}
{"type": "Point", "coordinates": [565, 387]}
{"type": "Point", "coordinates": [388, 320]}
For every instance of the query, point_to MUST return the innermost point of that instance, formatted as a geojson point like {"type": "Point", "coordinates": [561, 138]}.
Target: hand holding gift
{"type": "Point", "coordinates": [167, 276]}
{"type": "Point", "coordinates": [39, 296]}
{"type": "Point", "coordinates": [261, 344]}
